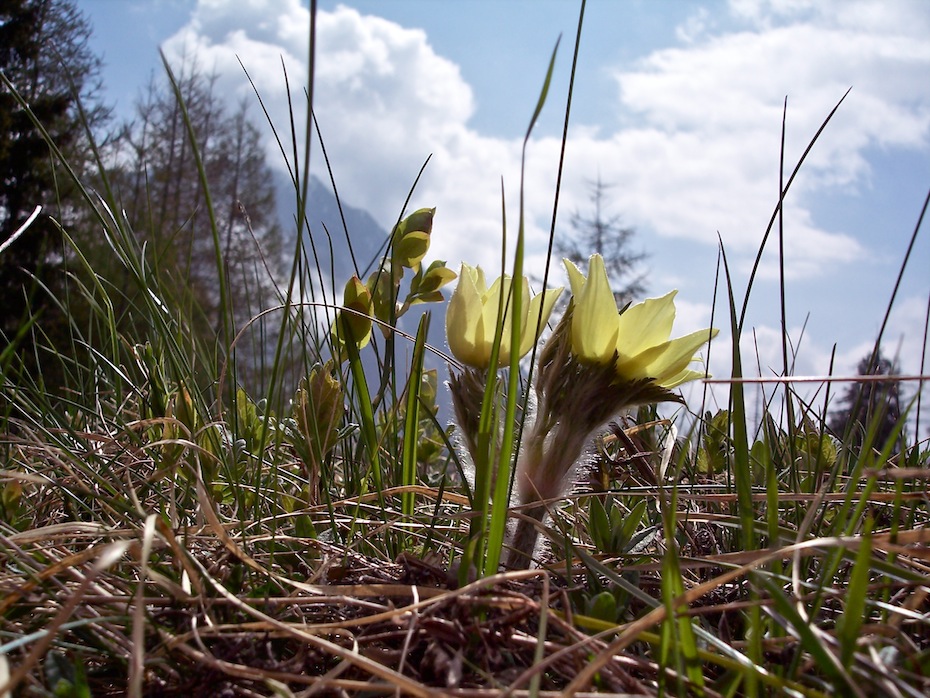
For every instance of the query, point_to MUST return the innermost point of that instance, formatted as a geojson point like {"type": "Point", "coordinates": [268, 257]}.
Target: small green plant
{"type": "Point", "coordinates": [613, 530]}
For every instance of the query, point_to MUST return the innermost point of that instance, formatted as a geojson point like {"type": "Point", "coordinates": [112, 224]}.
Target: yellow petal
{"type": "Point", "coordinates": [637, 366]}
{"type": "Point", "coordinates": [463, 317]}
{"type": "Point", "coordinates": [677, 355]}
{"type": "Point", "coordinates": [494, 314]}
{"type": "Point", "coordinates": [684, 377]}
{"type": "Point", "coordinates": [575, 277]}
{"type": "Point", "coordinates": [476, 311]}
{"type": "Point", "coordinates": [547, 300]}
{"type": "Point", "coordinates": [478, 276]}
{"type": "Point", "coordinates": [646, 324]}
{"type": "Point", "coordinates": [595, 320]}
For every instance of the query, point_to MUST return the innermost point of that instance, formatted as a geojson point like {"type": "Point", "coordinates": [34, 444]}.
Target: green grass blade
{"type": "Point", "coordinates": [742, 473]}
{"type": "Point", "coordinates": [824, 660]}
{"type": "Point", "coordinates": [775, 213]}
{"type": "Point", "coordinates": [543, 93]}
{"type": "Point", "coordinates": [503, 484]}
{"type": "Point", "coordinates": [366, 413]}
{"type": "Point", "coordinates": [412, 418]}
{"type": "Point", "coordinates": [742, 476]}
{"type": "Point", "coordinates": [677, 632]}
{"type": "Point", "coordinates": [850, 622]}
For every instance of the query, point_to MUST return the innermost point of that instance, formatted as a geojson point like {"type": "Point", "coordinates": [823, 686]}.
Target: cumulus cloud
{"type": "Point", "coordinates": [709, 113]}
{"type": "Point", "coordinates": [385, 102]}
{"type": "Point", "coordinates": [701, 153]}
{"type": "Point", "coordinates": [696, 151]}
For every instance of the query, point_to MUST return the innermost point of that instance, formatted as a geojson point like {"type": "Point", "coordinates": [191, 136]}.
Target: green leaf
{"type": "Point", "coordinates": [411, 238]}
{"type": "Point", "coordinates": [434, 278]}
{"type": "Point", "coordinates": [382, 299]}
{"type": "Point", "coordinates": [632, 522]}
{"type": "Point", "coordinates": [412, 418]}
{"type": "Point", "coordinates": [603, 606]}
{"type": "Point", "coordinates": [599, 525]}
{"type": "Point", "coordinates": [677, 629]}
{"type": "Point", "coordinates": [850, 622]}
{"type": "Point", "coordinates": [411, 249]}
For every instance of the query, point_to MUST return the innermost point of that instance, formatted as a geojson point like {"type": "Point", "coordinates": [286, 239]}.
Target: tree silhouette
{"type": "Point", "coordinates": [867, 401]}
{"type": "Point", "coordinates": [162, 194]}
{"type": "Point", "coordinates": [609, 238]}
{"type": "Point", "coordinates": [45, 57]}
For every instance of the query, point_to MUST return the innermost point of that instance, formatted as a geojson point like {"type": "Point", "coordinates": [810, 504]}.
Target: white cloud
{"type": "Point", "coordinates": [694, 26]}
{"type": "Point", "coordinates": [699, 146]}
{"type": "Point", "coordinates": [709, 116]}
{"type": "Point", "coordinates": [385, 101]}
{"type": "Point", "coordinates": [700, 156]}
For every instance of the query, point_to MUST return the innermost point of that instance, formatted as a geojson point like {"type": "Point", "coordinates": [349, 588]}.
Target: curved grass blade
{"type": "Point", "coordinates": [502, 486]}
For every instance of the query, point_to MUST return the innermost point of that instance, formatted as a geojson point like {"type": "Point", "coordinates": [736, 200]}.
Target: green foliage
{"type": "Point", "coordinates": [314, 430]}
{"type": "Point", "coordinates": [613, 530]}
{"type": "Point", "coordinates": [714, 448]}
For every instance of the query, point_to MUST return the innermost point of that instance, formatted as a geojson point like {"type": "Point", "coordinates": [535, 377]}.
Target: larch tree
{"type": "Point", "coordinates": [604, 234]}
{"type": "Point", "coordinates": [162, 193]}
{"type": "Point", "coordinates": [868, 404]}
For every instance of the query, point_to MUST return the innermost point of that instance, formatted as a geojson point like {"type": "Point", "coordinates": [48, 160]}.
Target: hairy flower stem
{"type": "Point", "coordinates": [524, 538]}
{"type": "Point", "coordinates": [575, 399]}
{"type": "Point", "coordinates": [541, 473]}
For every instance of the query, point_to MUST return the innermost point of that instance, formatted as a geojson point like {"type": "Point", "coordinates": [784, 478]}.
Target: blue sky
{"type": "Point", "coordinates": [677, 104]}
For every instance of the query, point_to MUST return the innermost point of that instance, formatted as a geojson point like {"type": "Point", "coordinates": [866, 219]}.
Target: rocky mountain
{"type": "Point", "coordinates": [361, 237]}
{"type": "Point", "coordinates": [341, 240]}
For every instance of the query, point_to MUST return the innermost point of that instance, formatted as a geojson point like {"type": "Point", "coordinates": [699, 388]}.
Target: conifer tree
{"type": "Point", "coordinates": [605, 235]}
{"type": "Point", "coordinates": [44, 54]}
{"type": "Point", "coordinates": [162, 194]}
{"type": "Point", "coordinates": [864, 402]}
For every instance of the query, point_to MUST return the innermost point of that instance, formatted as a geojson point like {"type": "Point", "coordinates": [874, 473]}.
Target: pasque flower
{"type": "Point", "coordinates": [636, 340]}
{"type": "Point", "coordinates": [598, 362]}
{"type": "Point", "coordinates": [473, 316]}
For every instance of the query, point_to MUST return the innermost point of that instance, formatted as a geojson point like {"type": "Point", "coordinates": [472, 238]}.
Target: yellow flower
{"type": "Point", "coordinates": [637, 340]}
{"type": "Point", "coordinates": [472, 317]}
